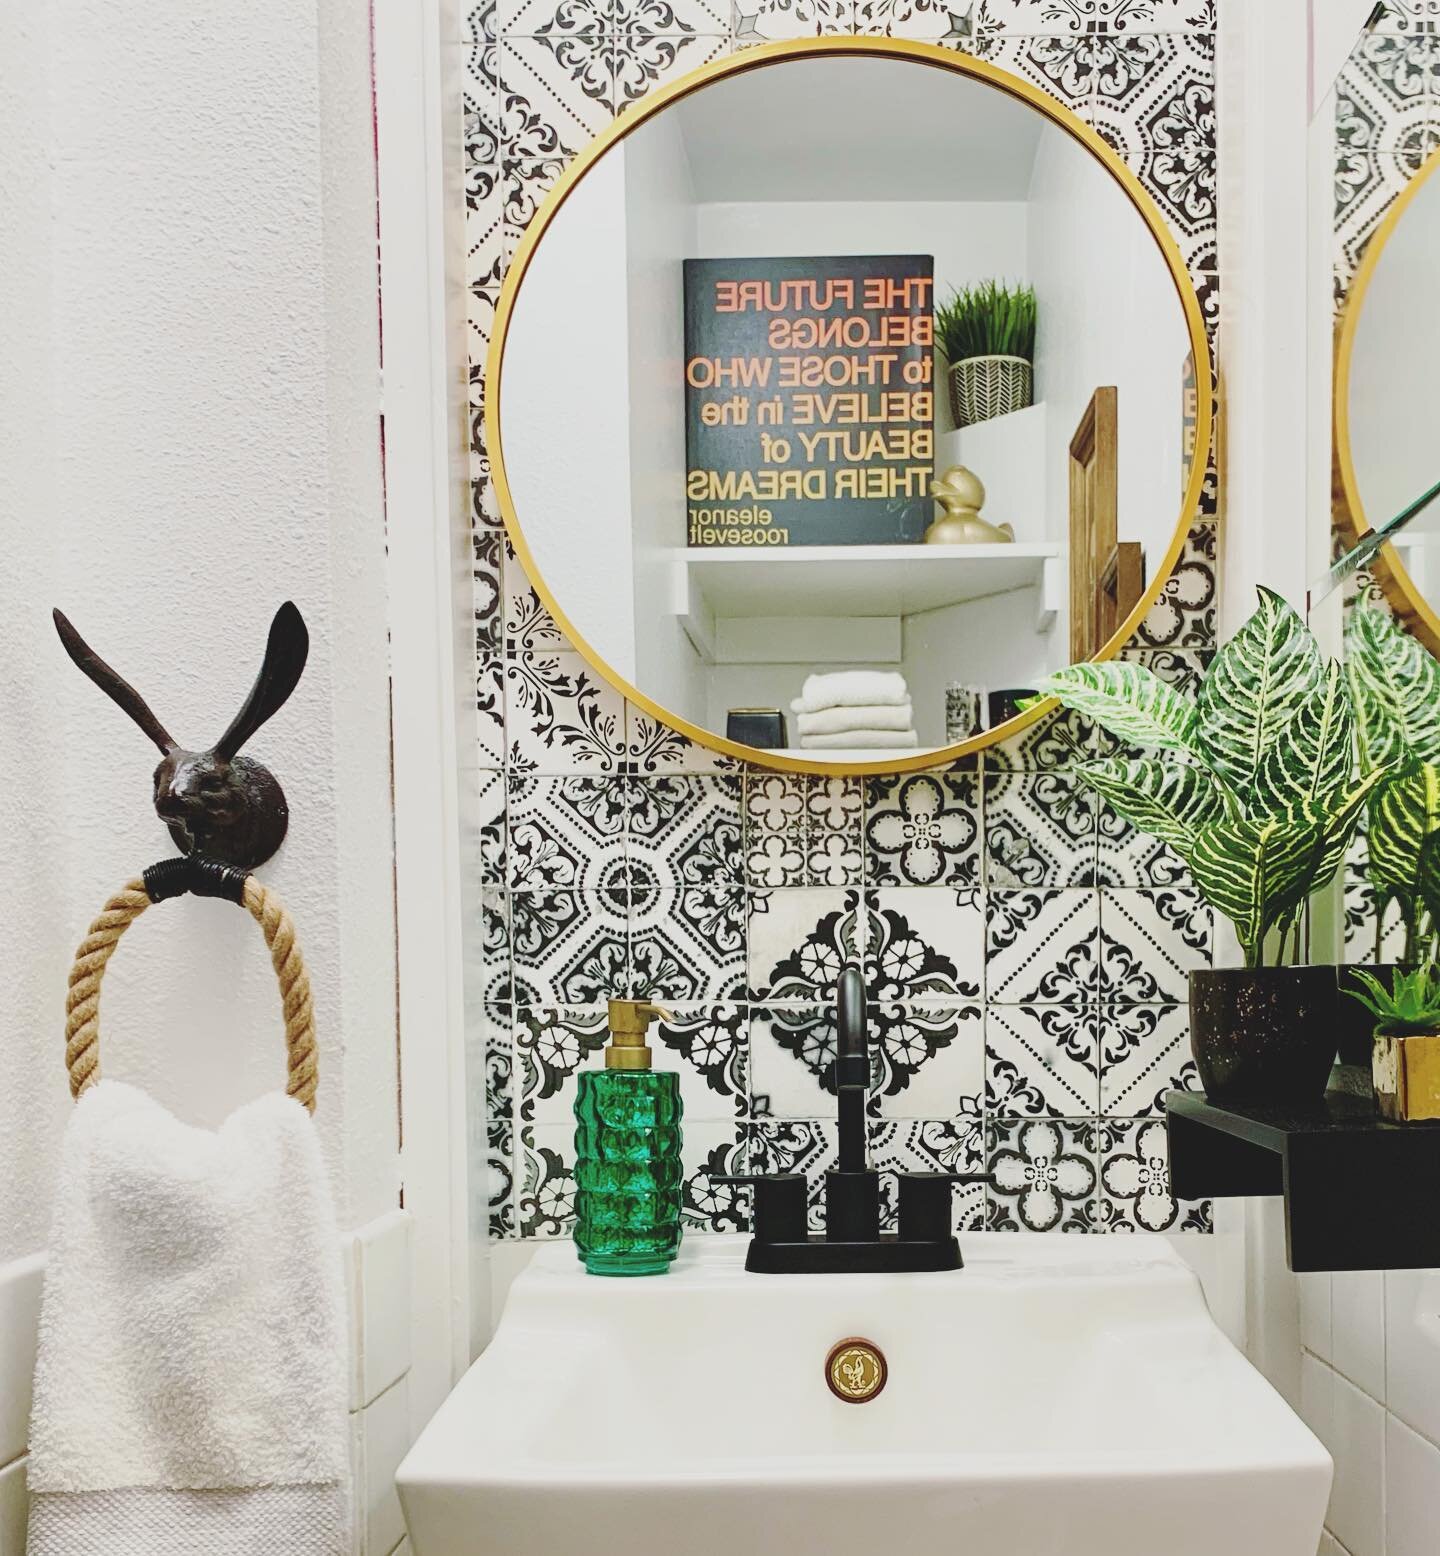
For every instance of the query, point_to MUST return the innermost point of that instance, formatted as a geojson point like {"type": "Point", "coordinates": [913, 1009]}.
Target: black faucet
{"type": "Point", "coordinates": [852, 1240]}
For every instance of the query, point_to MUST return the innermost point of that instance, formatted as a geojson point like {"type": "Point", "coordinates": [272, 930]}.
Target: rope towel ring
{"type": "Point", "coordinates": [170, 878]}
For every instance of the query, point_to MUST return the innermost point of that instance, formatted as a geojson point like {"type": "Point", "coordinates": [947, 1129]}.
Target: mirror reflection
{"type": "Point", "coordinates": [840, 401]}
{"type": "Point", "coordinates": [1385, 447]}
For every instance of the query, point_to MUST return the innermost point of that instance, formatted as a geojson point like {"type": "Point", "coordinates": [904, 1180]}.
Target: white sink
{"type": "Point", "coordinates": [1059, 1396]}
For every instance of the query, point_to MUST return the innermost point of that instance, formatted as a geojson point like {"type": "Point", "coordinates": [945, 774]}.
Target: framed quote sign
{"type": "Point", "coordinates": [809, 400]}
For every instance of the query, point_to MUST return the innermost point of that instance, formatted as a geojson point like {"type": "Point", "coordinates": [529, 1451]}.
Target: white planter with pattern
{"type": "Point", "coordinates": [984, 387]}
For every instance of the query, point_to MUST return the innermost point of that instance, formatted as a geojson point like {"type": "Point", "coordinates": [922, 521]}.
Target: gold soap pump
{"type": "Point", "coordinates": [961, 494]}
{"type": "Point", "coordinates": [629, 1027]}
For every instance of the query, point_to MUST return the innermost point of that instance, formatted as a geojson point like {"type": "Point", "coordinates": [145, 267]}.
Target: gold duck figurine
{"type": "Point", "coordinates": [962, 495]}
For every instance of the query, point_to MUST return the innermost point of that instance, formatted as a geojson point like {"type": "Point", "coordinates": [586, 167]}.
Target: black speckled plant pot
{"type": "Point", "coordinates": [1263, 1034]}
{"type": "Point", "coordinates": [1354, 1025]}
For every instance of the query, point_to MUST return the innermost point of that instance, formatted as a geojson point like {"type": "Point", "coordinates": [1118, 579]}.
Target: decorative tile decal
{"type": "Point", "coordinates": [794, 1145]}
{"type": "Point", "coordinates": [833, 810]}
{"type": "Point", "coordinates": [765, 21]}
{"type": "Point", "coordinates": [713, 1041]}
{"type": "Point", "coordinates": [923, 829]}
{"type": "Point", "coordinates": [1040, 1060]}
{"type": "Point", "coordinates": [1144, 1051]}
{"type": "Point", "coordinates": [653, 747]}
{"type": "Point", "coordinates": [566, 832]}
{"type": "Point", "coordinates": [1042, 947]}
{"type": "Point", "coordinates": [923, 945]}
{"type": "Point", "coordinates": [559, 87]}
{"type": "Point", "coordinates": [1025, 951]}
{"type": "Point", "coordinates": [1154, 102]}
{"type": "Point", "coordinates": [1061, 740]}
{"type": "Point", "coordinates": [1135, 1181]}
{"type": "Point", "coordinates": [929, 21]}
{"type": "Point", "coordinates": [1046, 1176]}
{"type": "Point", "coordinates": [799, 941]}
{"type": "Point", "coordinates": [569, 947]}
{"type": "Point", "coordinates": [671, 18]}
{"type": "Point", "coordinates": [1063, 65]}
{"type": "Point", "coordinates": [1184, 615]}
{"type": "Point", "coordinates": [560, 717]}
{"type": "Point", "coordinates": [684, 831]}
{"type": "Point", "coordinates": [688, 944]}
{"type": "Point", "coordinates": [641, 61]}
{"type": "Point", "coordinates": [1096, 16]}
{"type": "Point", "coordinates": [776, 846]}
{"type": "Point", "coordinates": [1149, 940]}
{"type": "Point", "coordinates": [554, 18]}
{"type": "Point", "coordinates": [1039, 830]}
{"type": "Point", "coordinates": [955, 1144]}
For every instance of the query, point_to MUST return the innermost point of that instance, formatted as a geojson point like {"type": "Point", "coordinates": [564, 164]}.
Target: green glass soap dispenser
{"type": "Point", "coordinates": [628, 1177]}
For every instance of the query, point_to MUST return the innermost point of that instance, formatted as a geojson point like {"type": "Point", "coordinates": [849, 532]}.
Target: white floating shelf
{"type": "Point", "coordinates": [733, 583]}
{"type": "Point", "coordinates": [859, 580]}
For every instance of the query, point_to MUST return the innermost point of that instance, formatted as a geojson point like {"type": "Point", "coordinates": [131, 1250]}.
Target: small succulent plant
{"type": "Point", "coordinates": [1409, 1008]}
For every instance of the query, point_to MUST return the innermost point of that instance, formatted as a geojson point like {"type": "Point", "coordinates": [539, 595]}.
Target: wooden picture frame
{"type": "Point", "coordinates": [1107, 575]}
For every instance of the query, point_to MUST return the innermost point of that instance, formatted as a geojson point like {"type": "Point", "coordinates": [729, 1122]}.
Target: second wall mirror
{"type": "Point", "coordinates": [841, 391]}
{"type": "Point", "coordinates": [1385, 447]}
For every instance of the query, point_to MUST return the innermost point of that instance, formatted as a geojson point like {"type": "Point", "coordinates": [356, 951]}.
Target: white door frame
{"type": "Point", "coordinates": [418, 129]}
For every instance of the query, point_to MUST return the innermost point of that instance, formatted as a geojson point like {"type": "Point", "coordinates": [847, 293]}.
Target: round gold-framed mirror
{"type": "Point", "coordinates": [880, 596]}
{"type": "Point", "coordinates": [1383, 447]}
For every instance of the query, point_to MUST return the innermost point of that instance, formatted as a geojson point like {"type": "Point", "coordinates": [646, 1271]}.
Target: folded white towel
{"type": "Point", "coordinates": [850, 689]}
{"type": "Point", "coordinates": [190, 1386]}
{"type": "Point", "coordinates": [833, 721]}
{"type": "Point", "coordinates": [862, 740]}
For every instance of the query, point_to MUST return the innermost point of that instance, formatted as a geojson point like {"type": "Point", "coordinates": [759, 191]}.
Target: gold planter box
{"type": "Point", "coordinates": [1406, 1072]}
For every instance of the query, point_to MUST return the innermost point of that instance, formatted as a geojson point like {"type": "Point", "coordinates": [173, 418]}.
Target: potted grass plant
{"type": "Point", "coordinates": [1406, 1054]}
{"type": "Point", "coordinates": [987, 333]}
{"type": "Point", "coordinates": [1253, 784]}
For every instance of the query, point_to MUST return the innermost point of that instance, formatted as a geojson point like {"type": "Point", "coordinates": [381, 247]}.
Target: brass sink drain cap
{"type": "Point", "coordinates": [855, 1370]}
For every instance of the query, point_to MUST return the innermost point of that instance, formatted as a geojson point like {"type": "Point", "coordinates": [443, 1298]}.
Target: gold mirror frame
{"type": "Point", "coordinates": [1347, 510]}
{"type": "Point", "coordinates": [754, 59]}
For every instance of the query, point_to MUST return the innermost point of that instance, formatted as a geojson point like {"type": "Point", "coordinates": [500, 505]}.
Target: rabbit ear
{"type": "Point", "coordinates": [119, 691]}
{"type": "Point", "coordinates": [285, 655]}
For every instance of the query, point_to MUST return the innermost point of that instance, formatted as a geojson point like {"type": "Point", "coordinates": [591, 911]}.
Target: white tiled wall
{"type": "Point", "coordinates": [377, 1269]}
{"type": "Point", "coordinates": [1370, 1390]}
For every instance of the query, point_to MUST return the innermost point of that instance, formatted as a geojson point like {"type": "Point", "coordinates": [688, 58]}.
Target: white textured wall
{"type": "Point", "coordinates": [188, 435]}
{"type": "Point", "coordinates": [567, 412]}
{"type": "Point", "coordinates": [660, 220]}
{"type": "Point", "coordinates": [1108, 314]}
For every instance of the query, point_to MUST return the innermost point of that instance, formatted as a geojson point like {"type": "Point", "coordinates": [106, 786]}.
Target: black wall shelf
{"type": "Point", "coordinates": [1360, 1193]}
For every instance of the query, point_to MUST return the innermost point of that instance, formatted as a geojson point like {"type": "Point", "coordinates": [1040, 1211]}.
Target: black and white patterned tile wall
{"type": "Point", "coordinates": [1387, 121]}
{"type": "Point", "coordinates": [1025, 952]}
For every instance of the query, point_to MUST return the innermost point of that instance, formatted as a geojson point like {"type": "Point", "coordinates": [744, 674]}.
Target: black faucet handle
{"type": "Point", "coordinates": [779, 1207]}
{"type": "Point", "coordinates": [924, 1202]}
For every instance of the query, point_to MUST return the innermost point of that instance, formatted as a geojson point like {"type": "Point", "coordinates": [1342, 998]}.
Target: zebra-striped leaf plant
{"type": "Point", "coordinates": [1395, 691]}
{"type": "Point", "coordinates": [1254, 785]}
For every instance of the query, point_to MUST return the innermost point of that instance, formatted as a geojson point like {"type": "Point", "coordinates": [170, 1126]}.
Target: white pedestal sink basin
{"type": "Point", "coordinates": [1059, 1396]}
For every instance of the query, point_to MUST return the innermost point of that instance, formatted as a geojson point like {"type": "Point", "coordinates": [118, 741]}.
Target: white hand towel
{"type": "Point", "coordinates": [834, 721]}
{"type": "Point", "coordinates": [190, 1387]}
{"type": "Point", "coordinates": [850, 689]}
{"type": "Point", "coordinates": [862, 740]}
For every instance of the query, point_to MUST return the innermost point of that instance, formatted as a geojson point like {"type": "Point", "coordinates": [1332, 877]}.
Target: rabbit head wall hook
{"type": "Point", "coordinates": [215, 802]}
